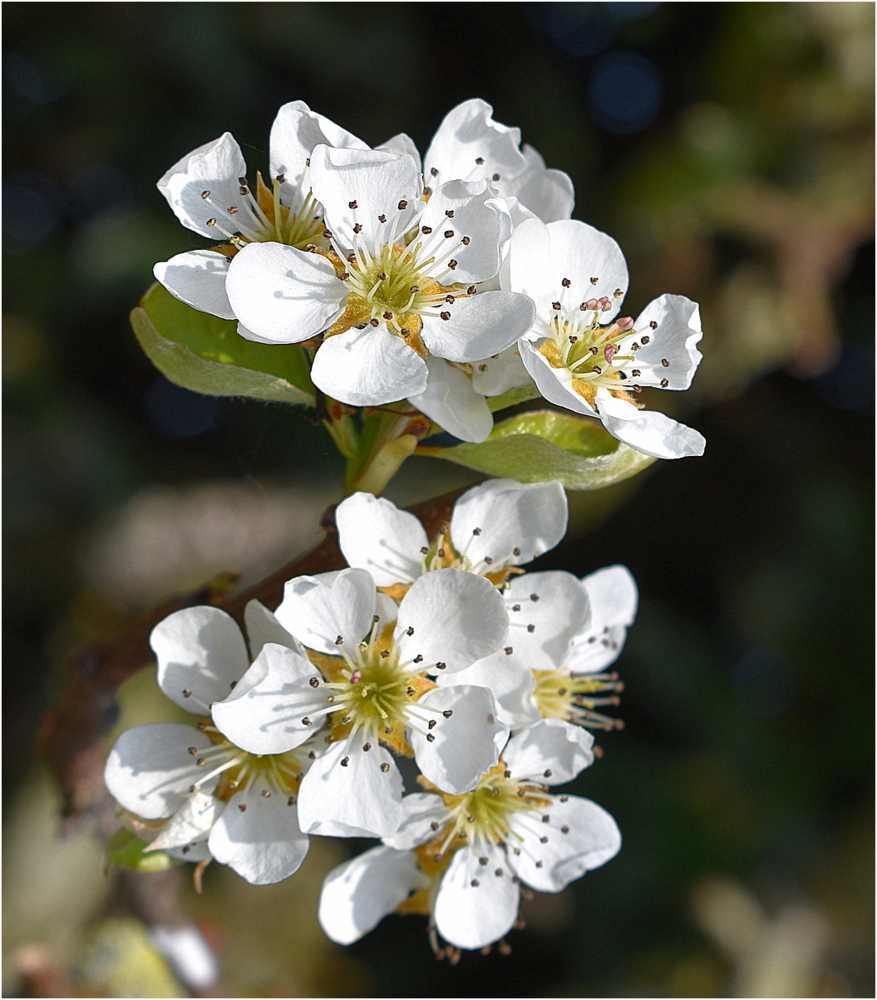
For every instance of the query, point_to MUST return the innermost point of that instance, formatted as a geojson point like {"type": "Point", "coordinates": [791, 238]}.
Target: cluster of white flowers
{"type": "Point", "coordinates": [433, 695]}
{"type": "Point", "coordinates": [443, 281]}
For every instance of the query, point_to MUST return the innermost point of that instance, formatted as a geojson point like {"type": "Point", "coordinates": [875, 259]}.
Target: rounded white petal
{"type": "Point", "coordinates": [673, 338]}
{"type": "Point", "coordinates": [198, 279]}
{"type": "Point", "coordinates": [479, 326]}
{"type": "Point", "coordinates": [612, 595]}
{"type": "Point", "coordinates": [454, 618]}
{"type": "Point", "coordinates": [373, 534]}
{"type": "Point", "coordinates": [262, 842]}
{"type": "Point", "coordinates": [548, 194]}
{"type": "Point", "coordinates": [541, 257]}
{"type": "Point", "coordinates": [495, 518]}
{"type": "Point", "coordinates": [648, 431]}
{"type": "Point", "coordinates": [452, 402]}
{"type": "Point", "coordinates": [357, 895]}
{"type": "Point", "coordinates": [374, 182]}
{"type": "Point", "coordinates": [346, 794]}
{"type": "Point", "coordinates": [294, 135]}
{"type": "Point", "coordinates": [475, 906]}
{"type": "Point", "coordinates": [368, 367]}
{"type": "Point", "coordinates": [468, 135]}
{"type": "Point", "coordinates": [509, 678]}
{"type": "Point", "coordinates": [320, 613]}
{"type": "Point", "coordinates": [555, 384]}
{"type": "Point", "coordinates": [551, 751]}
{"type": "Point", "coordinates": [283, 295]}
{"type": "Point", "coordinates": [590, 839]}
{"type": "Point", "coordinates": [400, 143]}
{"type": "Point", "coordinates": [149, 770]}
{"type": "Point", "coordinates": [496, 375]}
{"type": "Point", "coordinates": [466, 744]}
{"type": "Point", "coordinates": [420, 811]}
{"type": "Point", "coordinates": [201, 655]}
{"type": "Point", "coordinates": [474, 215]}
{"type": "Point", "coordinates": [264, 713]}
{"type": "Point", "coordinates": [545, 611]}
{"type": "Point", "coordinates": [262, 627]}
{"type": "Point", "coordinates": [215, 168]}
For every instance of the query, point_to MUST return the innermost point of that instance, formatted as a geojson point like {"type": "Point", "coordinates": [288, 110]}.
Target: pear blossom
{"type": "Point", "coordinates": [469, 145]}
{"type": "Point", "coordinates": [564, 677]}
{"type": "Point", "coordinates": [461, 859]}
{"type": "Point", "coordinates": [200, 793]}
{"type": "Point", "coordinates": [211, 194]}
{"type": "Point", "coordinates": [397, 285]}
{"type": "Point", "coordinates": [368, 671]}
{"type": "Point", "coordinates": [580, 356]}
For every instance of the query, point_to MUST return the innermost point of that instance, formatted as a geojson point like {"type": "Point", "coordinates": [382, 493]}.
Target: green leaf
{"type": "Point", "coordinates": [544, 444]}
{"type": "Point", "coordinates": [207, 354]}
{"type": "Point", "coordinates": [126, 850]}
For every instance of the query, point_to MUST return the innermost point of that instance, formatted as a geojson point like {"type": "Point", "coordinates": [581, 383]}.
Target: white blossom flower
{"type": "Point", "coordinates": [474, 851]}
{"type": "Point", "coordinates": [564, 677]}
{"type": "Point", "coordinates": [469, 145]}
{"type": "Point", "coordinates": [207, 797]}
{"type": "Point", "coordinates": [495, 527]}
{"type": "Point", "coordinates": [397, 286]}
{"type": "Point", "coordinates": [374, 659]}
{"type": "Point", "coordinates": [577, 278]}
{"type": "Point", "coordinates": [210, 193]}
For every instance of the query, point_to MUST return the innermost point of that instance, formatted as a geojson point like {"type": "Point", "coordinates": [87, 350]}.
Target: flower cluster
{"type": "Point", "coordinates": [445, 280]}
{"type": "Point", "coordinates": [432, 695]}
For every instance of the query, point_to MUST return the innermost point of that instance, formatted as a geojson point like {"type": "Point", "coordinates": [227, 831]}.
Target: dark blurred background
{"type": "Point", "coordinates": [729, 149]}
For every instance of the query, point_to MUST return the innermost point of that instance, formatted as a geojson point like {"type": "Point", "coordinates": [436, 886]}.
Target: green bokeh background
{"type": "Point", "coordinates": [728, 147]}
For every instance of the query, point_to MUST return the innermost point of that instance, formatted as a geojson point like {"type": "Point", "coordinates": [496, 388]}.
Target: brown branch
{"type": "Point", "coordinates": [71, 738]}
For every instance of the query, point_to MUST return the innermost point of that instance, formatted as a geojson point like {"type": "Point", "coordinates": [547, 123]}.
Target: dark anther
{"type": "Point", "coordinates": [531, 627]}
{"type": "Point", "coordinates": [402, 205]}
{"type": "Point", "coordinates": [452, 264]}
{"type": "Point", "coordinates": [351, 204]}
{"type": "Point", "coordinates": [385, 767]}
{"type": "Point", "coordinates": [345, 761]}
{"type": "Point", "coordinates": [440, 665]}
{"type": "Point", "coordinates": [495, 177]}
{"type": "Point", "coordinates": [653, 325]}
{"type": "Point", "coordinates": [445, 315]}
{"type": "Point", "coordinates": [449, 212]}
{"type": "Point", "coordinates": [430, 738]}
{"type": "Point", "coordinates": [555, 305]}
{"type": "Point", "coordinates": [382, 218]}
{"type": "Point", "coordinates": [665, 363]}
{"type": "Point", "coordinates": [339, 640]}
{"type": "Point", "coordinates": [449, 233]}
{"type": "Point", "coordinates": [448, 712]}
{"type": "Point", "coordinates": [565, 282]}
{"type": "Point", "coordinates": [426, 230]}
{"type": "Point", "coordinates": [645, 339]}
{"type": "Point", "coordinates": [409, 630]}
{"type": "Point", "coordinates": [509, 650]}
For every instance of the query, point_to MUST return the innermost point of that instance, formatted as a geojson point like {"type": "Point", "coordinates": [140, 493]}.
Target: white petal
{"type": "Point", "coordinates": [612, 595]}
{"type": "Point", "coordinates": [475, 214]}
{"type": "Point", "coordinates": [373, 534]}
{"type": "Point", "coordinates": [468, 134]}
{"type": "Point", "coordinates": [214, 167]}
{"type": "Point", "coordinates": [510, 680]}
{"type": "Point", "coordinates": [262, 626]}
{"type": "Point", "coordinates": [420, 811]}
{"type": "Point", "coordinates": [352, 799]}
{"type": "Point", "coordinates": [548, 194]}
{"type": "Point", "coordinates": [454, 618]}
{"type": "Point", "coordinates": [150, 771]}
{"type": "Point", "coordinates": [263, 843]}
{"type": "Point", "coordinates": [198, 279]}
{"type": "Point", "coordinates": [541, 257]}
{"type": "Point", "coordinates": [451, 401]}
{"type": "Point", "coordinates": [319, 613]}
{"type": "Point", "coordinates": [375, 182]}
{"type": "Point", "coordinates": [200, 651]}
{"type": "Point", "coordinates": [263, 715]}
{"type": "Point", "coordinates": [357, 895]}
{"type": "Point", "coordinates": [548, 623]}
{"type": "Point", "coordinates": [476, 907]}
{"type": "Point", "coordinates": [555, 384]}
{"type": "Point", "coordinates": [465, 745]}
{"type": "Point", "coordinates": [368, 367]}
{"type": "Point", "coordinates": [592, 838]}
{"type": "Point", "coordinates": [400, 143]}
{"type": "Point", "coordinates": [190, 823]}
{"type": "Point", "coordinates": [496, 375]}
{"type": "Point", "coordinates": [551, 751]}
{"type": "Point", "coordinates": [282, 294]}
{"type": "Point", "coordinates": [673, 338]}
{"type": "Point", "coordinates": [295, 133]}
{"type": "Point", "coordinates": [479, 326]}
{"type": "Point", "coordinates": [648, 431]}
{"type": "Point", "coordinates": [493, 519]}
